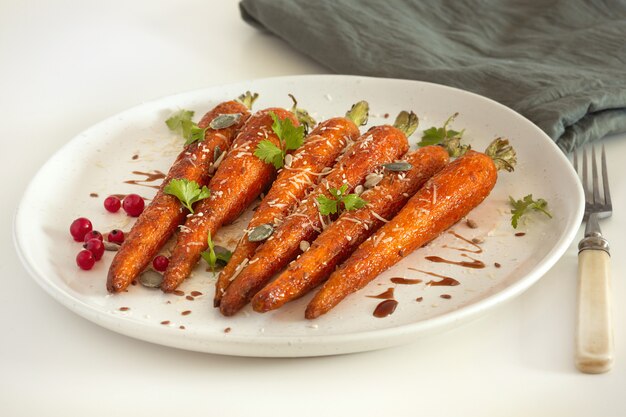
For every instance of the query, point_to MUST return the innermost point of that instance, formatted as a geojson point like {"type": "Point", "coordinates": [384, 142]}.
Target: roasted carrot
{"type": "Point", "coordinates": [159, 220]}
{"type": "Point", "coordinates": [342, 237]}
{"type": "Point", "coordinates": [240, 178]}
{"type": "Point", "coordinates": [322, 147]}
{"type": "Point", "coordinates": [444, 200]}
{"type": "Point", "coordinates": [379, 145]}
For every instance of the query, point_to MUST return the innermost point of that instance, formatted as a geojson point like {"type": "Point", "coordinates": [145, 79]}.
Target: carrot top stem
{"type": "Point", "coordinates": [503, 154]}
{"type": "Point", "coordinates": [302, 115]}
{"type": "Point", "coordinates": [248, 99]}
{"type": "Point", "coordinates": [359, 113]}
{"type": "Point", "coordinates": [406, 122]}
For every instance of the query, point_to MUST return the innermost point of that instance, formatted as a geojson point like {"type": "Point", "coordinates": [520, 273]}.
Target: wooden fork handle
{"type": "Point", "coordinates": [594, 335]}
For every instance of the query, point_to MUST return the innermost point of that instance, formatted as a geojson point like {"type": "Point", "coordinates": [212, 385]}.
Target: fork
{"type": "Point", "coordinates": [594, 333]}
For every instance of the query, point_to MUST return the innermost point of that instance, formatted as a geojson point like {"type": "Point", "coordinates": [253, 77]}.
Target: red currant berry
{"type": "Point", "coordinates": [94, 234]}
{"type": "Point", "coordinates": [85, 259]}
{"type": "Point", "coordinates": [96, 247]}
{"type": "Point", "coordinates": [79, 228]}
{"type": "Point", "coordinates": [133, 205]}
{"type": "Point", "coordinates": [112, 203]}
{"type": "Point", "coordinates": [160, 263]}
{"type": "Point", "coordinates": [116, 236]}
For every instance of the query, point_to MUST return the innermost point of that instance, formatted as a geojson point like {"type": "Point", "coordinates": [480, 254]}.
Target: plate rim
{"type": "Point", "coordinates": [163, 336]}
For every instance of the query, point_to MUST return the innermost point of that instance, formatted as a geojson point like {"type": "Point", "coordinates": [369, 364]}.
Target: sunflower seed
{"type": "Point", "coordinates": [358, 189]}
{"type": "Point", "coordinates": [288, 160]}
{"type": "Point", "coordinates": [304, 245]}
{"type": "Point", "coordinates": [224, 120]}
{"type": "Point", "coordinates": [371, 180]}
{"type": "Point", "coordinates": [260, 233]}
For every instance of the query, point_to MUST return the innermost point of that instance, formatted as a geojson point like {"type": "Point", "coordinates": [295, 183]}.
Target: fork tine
{"type": "Point", "coordinates": [594, 176]}
{"type": "Point", "coordinates": [605, 180]}
{"type": "Point", "coordinates": [584, 179]}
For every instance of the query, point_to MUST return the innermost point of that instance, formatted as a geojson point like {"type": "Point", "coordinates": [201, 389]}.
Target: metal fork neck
{"type": "Point", "coordinates": [593, 236]}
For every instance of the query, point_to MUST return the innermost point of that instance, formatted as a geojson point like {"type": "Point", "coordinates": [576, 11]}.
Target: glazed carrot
{"type": "Point", "coordinates": [342, 237]}
{"type": "Point", "coordinates": [444, 200]}
{"type": "Point", "coordinates": [240, 178]}
{"type": "Point", "coordinates": [379, 145]}
{"type": "Point", "coordinates": [321, 149]}
{"type": "Point", "coordinates": [159, 220]}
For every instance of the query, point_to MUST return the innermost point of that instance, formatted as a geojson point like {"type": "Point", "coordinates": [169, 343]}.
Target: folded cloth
{"type": "Point", "coordinates": [562, 64]}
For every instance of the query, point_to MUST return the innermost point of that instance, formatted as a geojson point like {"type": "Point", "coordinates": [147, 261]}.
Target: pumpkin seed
{"type": "Point", "coordinates": [151, 279]}
{"type": "Point", "coordinates": [216, 153]}
{"type": "Point", "coordinates": [260, 233]}
{"type": "Point", "coordinates": [398, 166]}
{"type": "Point", "coordinates": [224, 120]}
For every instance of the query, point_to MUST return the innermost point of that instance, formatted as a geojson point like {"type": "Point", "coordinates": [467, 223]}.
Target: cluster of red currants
{"type": "Point", "coordinates": [81, 230]}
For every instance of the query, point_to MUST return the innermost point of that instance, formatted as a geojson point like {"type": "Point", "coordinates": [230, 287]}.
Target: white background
{"type": "Point", "coordinates": [65, 65]}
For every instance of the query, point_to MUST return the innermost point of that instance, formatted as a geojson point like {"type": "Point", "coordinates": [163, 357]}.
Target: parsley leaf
{"type": "Point", "coordinates": [521, 207]}
{"type": "Point", "coordinates": [176, 121]}
{"type": "Point", "coordinates": [289, 136]}
{"type": "Point", "coordinates": [180, 122]}
{"type": "Point", "coordinates": [269, 153]}
{"type": "Point", "coordinates": [353, 202]}
{"type": "Point", "coordinates": [188, 192]}
{"type": "Point", "coordinates": [448, 138]}
{"type": "Point", "coordinates": [328, 205]}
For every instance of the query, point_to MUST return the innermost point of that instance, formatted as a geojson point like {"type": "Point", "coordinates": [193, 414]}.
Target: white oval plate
{"type": "Point", "coordinates": [101, 158]}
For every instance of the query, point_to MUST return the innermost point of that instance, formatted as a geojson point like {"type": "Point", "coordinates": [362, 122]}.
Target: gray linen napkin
{"type": "Point", "coordinates": [562, 64]}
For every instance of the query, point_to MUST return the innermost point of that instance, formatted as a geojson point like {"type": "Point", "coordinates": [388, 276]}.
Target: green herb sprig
{"type": "Point", "coordinates": [188, 192]}
{"type": "Point", "coordinates": [290, 137]}
{"type": "Point", "coordinates": [331, 205]}
{"type": "Point", "coordinates": [524, 206]}
{"type": "Point", "coordinates": [448, 138]}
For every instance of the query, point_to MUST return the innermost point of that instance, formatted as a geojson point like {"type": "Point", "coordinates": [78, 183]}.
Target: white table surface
{"type": "Point", "coordinates": [64, 66]}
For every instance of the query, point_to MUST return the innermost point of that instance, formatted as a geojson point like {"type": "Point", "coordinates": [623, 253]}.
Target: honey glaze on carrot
{"type": "Point", "coordinates": [477, 248]}
{"type": "Point", "coordinates": [387, 295]}
{"type": "Point", "coordinates": [385, 308]}
{"type": "Point", "coordinates": [475, 263]}
{"type": "Point", "coordinates": [150, 177]}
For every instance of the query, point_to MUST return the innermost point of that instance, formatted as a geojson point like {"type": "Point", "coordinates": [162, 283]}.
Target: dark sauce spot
{"type": "Point", "coordinates": [165, 322]}
{"type": "Point", "coordinates": [196, 293]}
{"type": "Point", "coordinates": [186, 312]}
{"type": "Point", "coordinates": [419, 299]}
{"type": "Point", "coordinates": [94, 195]}
{"type": "Point", "coordinates": [520, 234]}
{"type": "Point", "coordinates": [190, 298]}
{"type": "Point", "coordinates": [387, 295]}
{"type": "Point", "coordinates": [405, 281]}
{"type": "Point", "coordinates": [446, 296]}
{"type": "Point", "coordinates": [178, 292]}
{"type": "Point", "coordinates": [124, 308]}
{"type": "Point", "coordinates": [135, 157]}
{"type": "Point", "coordinates": [497, 265]}
{"type": "Point", "coordinates": [385, 308]}
{"type": "Point", "coordinates": [227, 330]}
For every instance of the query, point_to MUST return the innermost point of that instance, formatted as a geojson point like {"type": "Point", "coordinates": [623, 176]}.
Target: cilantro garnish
{"type": "Point", "coordinates": [448, 138]}
{"type": "Point", "coordinates": [332, 205]}
{"type": "Point", "coordinates": [188, 192]}
{"type": "Point", "coordinates": [181, 123]}
{"type": "Point", "coordinates": [289, 136]}
{"type": "Point", "coordinates": [521, 207]}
